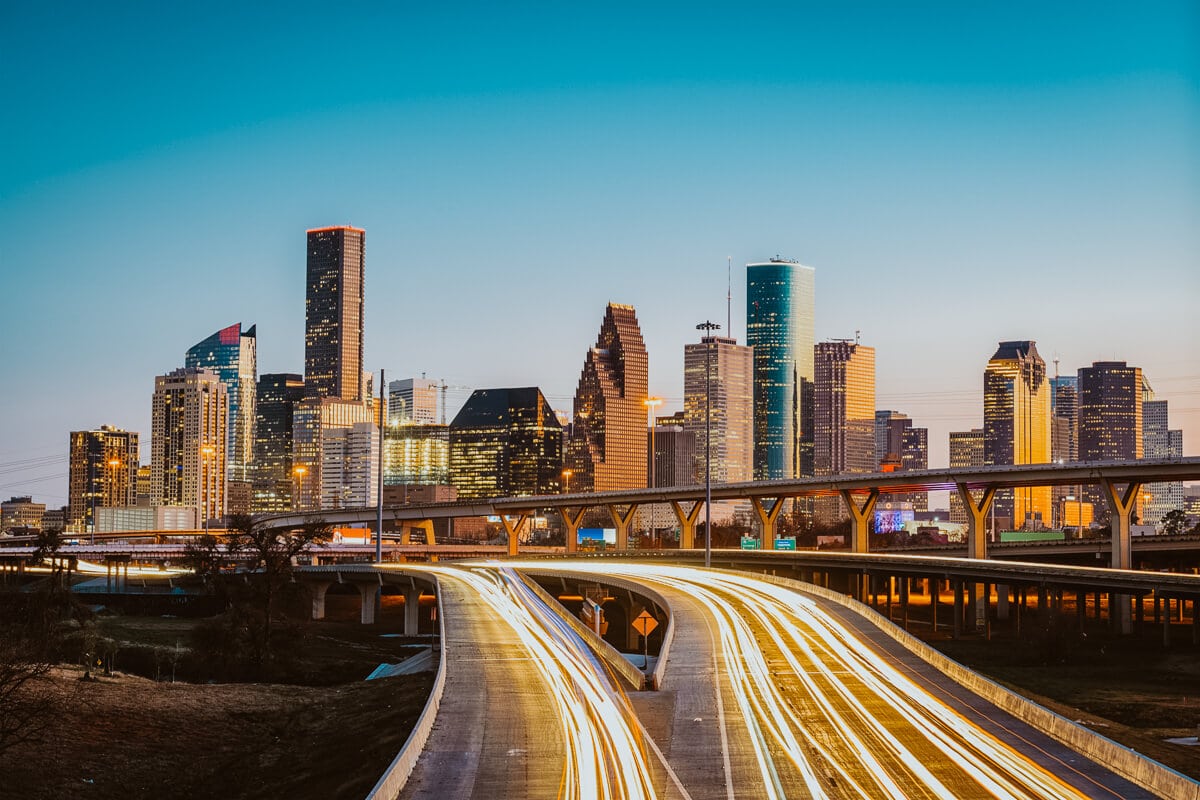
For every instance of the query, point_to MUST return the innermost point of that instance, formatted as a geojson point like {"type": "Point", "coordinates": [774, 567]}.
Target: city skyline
{"type": "Point", "coordinates": [1009, 190]}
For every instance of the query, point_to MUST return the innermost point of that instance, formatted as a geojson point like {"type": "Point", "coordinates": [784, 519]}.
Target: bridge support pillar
{"type": "Point", "coordinates": [976, 513]}
{"type": "Point", "coordinates": [687, 523]}
{"type": "Point", "coordinates": [860, 517]}
{"type": "Point", "coordinates": [318, 599]}
{"type": "Point", "coordinates": [368, 593]}
{"type": "Point", "coordinates": [767, 516]}
{"type": "Point", "coordinates": [623, 520]}
{"type": "Point", "coordinates": [572, 519]}
{"type": "Point", "coordinates": [513, 530]}
{"type": "Point", "coordinates": [412, 611]}
{"type": "Point", "coordinates": [1002, 601]}
{"type": "Point", "coordinates": [958, 607]}
{"type": "Point", "coordinates": [1121, 503]}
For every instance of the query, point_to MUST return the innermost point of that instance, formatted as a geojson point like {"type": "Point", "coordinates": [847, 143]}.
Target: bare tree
{"type": "Point", "coordinates": [29, 700]}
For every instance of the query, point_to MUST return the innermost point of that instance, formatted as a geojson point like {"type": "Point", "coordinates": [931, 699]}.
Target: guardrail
{"type": "Point", "coordinates": [392, 782]}
{"type": "Point", "coordinates": [1128, 763]}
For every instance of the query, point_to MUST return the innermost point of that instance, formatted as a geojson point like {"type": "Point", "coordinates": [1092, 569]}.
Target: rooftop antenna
{"type": "Point", "coordinates": [729, 296]}
{"type": "Point", "coordinates": [857, 335]}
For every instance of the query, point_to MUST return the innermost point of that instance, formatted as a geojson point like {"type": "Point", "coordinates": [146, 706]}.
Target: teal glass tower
{"type": "Point", "coordinates": [232, 353]}
{"type": "Point", "coordinates": [780, 300]}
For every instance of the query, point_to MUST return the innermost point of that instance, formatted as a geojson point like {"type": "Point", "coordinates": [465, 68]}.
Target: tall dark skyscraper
{"type": "Point", "coordinates": [232, 354]}
{"type": "Point", "coordinates": [779, 326]}
{"type": "Point", "coordinates": [333, 313]}
{"type": "Point", "coordinates": [506, 443]}
{"type": "Point", "coordinates": [276, 399]}
{"type": "Point", "coordinates": [1110, 420]}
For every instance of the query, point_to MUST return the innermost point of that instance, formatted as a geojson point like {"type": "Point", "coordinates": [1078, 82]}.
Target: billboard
{"type": "Point", "coordinates": [596, 536]}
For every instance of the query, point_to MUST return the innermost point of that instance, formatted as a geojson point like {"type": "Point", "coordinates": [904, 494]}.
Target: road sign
{"type": "Point", "coordinates": [749, 543]}
{"type": "Point", "coordinates": [785, 543]}
{"type": "Point", "coordinates": [644, 623]}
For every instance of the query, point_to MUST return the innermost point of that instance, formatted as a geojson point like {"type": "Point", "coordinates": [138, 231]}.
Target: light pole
{"type": "Point", "coordinates": [567, 473]}
{"type": "Point", "coordinates": [299, 487]}
{"type": "Point", "coordinates": [651, 404]}
{"type": "Point", "coordinates": [206, 452]}
{"type": "Point", "coordinates": [708, 327]}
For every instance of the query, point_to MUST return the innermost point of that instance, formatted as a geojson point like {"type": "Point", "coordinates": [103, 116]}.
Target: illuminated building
{"type": "Point", "coordinates": [1158, 441]}
{"type": "Point", "coordinates": [1064, 433]}
{"type": "Point", "coordinates": [1016, 429]}
{"type": "Point", "coordinates": [350, 466]}
{"type": "Point", "coordinates": [506, 443]}
{"type": "Point", "coordinates": [103, 472]}
{"type": "Point", "coordinates": [843, 416]}
{"type": "Point", "coordinates": [1110, 420]}
{"type": "Point", "coordinates": [333, 313]}
{"type": "Point", "coordinates": [232, 354]}
{"type": "Point", "coordinates": [190, 423]}
{"type": "Point", "coordinates": [900, 446]}
{"type": "Point", "coordinates": [413, 400]}
{"type": "Point", "coordinates": [312, 417]}
{"type": "Point", "coordinates": [21, 513]}
{"type": "Point", "coordinates": [966, 452]}
{"type": "Point", "coordinates": [675, 457]}
{"type": "Point", "coordinates": [416, 455]}
{"type": "Point", "coordinates": [276, 398]}
{"type": "Point", "coordinates": [780, 298]}
{"type": "Point", "coordinates": [607, 448]}
{"type": "Point", "coordinates": [730, 369]}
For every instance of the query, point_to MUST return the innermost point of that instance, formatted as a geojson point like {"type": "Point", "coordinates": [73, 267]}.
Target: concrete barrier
{"type": "Point", "coordinates": [1129, 764]}
{"type": "Point", "coordinates": [392, 781]}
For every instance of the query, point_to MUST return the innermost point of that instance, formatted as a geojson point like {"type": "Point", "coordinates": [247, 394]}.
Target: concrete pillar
{"type": "Point", "coordinates": [957, 587]}
{"type": "Point", "coordinates": [976, 513]}
{"type": "Point", "coordinates": [318, 599]}
{"type": "Point", "coordinates": [687, 523]}
{"type": "Point", "coordinates": [513, 529]}
{"type": "Point", "coordinates": [766, 517]}
{"type": "Point", "coordinates": [933, 589]}
{"type": "Point", "coordinates": [572, 519]}
{"type": "Point", "coordinates": [367, 593]}
{"type": "Point", "coordinates": [1002, 601]}
{"type": "Point", "coordinates": [1121, 504]}
{"type": "Point", "coordinates": [860, 517]}
{"type": "Point", "coordinates": [412, 611]}
{"type": "Point", "coordinates": [622, 520]}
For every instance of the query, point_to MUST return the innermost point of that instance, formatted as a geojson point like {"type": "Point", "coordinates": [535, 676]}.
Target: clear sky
{"type": "Point", "coordinates": [957, 173]}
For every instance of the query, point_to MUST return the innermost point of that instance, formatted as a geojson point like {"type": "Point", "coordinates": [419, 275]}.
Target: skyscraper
{"type": "Point", "coordinates": [333, 317]}
{"type": "Point", "coordinates": [1016, 428]}
{"type": "Point", "coordinates": [1064, 437]}
{"type": "Point", "coordinates": [607, 449]}
{"type": "Point", "coordinates": [413, 400]}
{"type": "Point", "coordinates": [312, 418]}
{"type": "Point", "coordinates": [416, 454]}
{"type": "Point", "coordinates": [900, 446]}
{"type": "Point", "coordinates": [779, 326]}
{"type": "Point", "coordinates": [232, 354]}
{"type": "Point", "coordinates": [730, 370]}
{"type": "Point", "coordinates": [1110, 421]}
{"type": "Point", "coordinates": [275, 404]}
{"type": "Point", "coordinates": [1159, 441]}
{"type": "Point", "coordinates": [843, 415]}
{"type": "Point", "coordinates": [506, 443]}
{"type": "Point", "coordinates": [350, 466]}
{"type": "Point", "coordinates": [190, 420]}
{"type": "Point", "coordinates": [102, 473]}
{"type": "Point", "coordinates": [966, 451]}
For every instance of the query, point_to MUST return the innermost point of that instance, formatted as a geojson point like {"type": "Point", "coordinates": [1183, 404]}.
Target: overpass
{"type": "Point", "coordinates": [1120, 480]}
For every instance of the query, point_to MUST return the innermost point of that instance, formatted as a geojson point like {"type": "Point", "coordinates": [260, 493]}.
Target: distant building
{"type": "Point", "coordinates": [900, 446]}
{"type": "Point", "coordinates": [233, 355]}
{"type": "Point", "coordinates": [276, 398]}
{"type": "Point", "coordinates": [676, 456]}
{"type": "Point", "coordinates": [966, 452]}
{"type": "Point", "coordinates": [148, 518]}
{"type": "Point", "coordinates": [730, 387]}
{"type": "Point", "coordinates": [1159, 441]}
{"type": "Point", "coordinates": [190, 419]}
{"type": "Point", "coordinates": [312, 417]}
{"type": "Point", "coordinates": [333, 316]}
{"type": "Point", "coordinates": [780, 300]}
{"type": "Point", "coordinates": [1110, 421]}
{"type": "Point", "coordinates": [413, 400]}
{"type": "Point", "coordinates": [350, 466]}
{"type": "Point", "coordinates": [19, 513]}
{"type": "Point", "coordinates": [56, 519]}
{"type": "Point", "coordinates": [1016, 429]}
{"type": "Point", "coordinates": [607, 448]}
{"type": "Point", "coordinates": [103, 471]}
{"type": "Point", "coordinates": [506, 443]}
{"type": "Point", "coordinates": [843, 416]}
{"type": "Point", "coordinates": [416, 454]}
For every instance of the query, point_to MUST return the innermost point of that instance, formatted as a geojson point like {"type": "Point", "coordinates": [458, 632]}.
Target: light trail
{"type": "Point", "coordinates": [605, 753]}
{"type": "Point", "coordinates": [827, 713]}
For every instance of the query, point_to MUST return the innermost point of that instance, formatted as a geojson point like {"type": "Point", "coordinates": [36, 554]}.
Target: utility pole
{"type": "Point", "coordinates": [379, 497]}
{"type": "Point", "coordinates": [708, 327]}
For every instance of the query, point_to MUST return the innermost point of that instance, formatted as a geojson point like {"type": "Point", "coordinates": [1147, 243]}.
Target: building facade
{"type": "Point", "coordinates": [1016, 429]}
{"type": "Point", "coordinates": [413, 400]}
{"type": "Point", "coordinates": [188, 447]}
{"type": "Point", "coordinates": [21, 513]}
{"type": "Point", "coordinates": [312, 417]}
{"type": "Point", "coordinates": [1159, 441]}
{"type": "Point", "coordinates": [350, 466]}
{"type": "Point", "coordinates": [900, 446]}
{"type": "Point", "coordinates": [416, 454]}
{"type": "Point", "coordinates": [275, 406]}
{"type": "Point", "coordinates": [607, 448]}
{"type": "Point", "coordinates": [780, 299]}
{"type": "Point", "coordinates": [675, 456]}
{"type": "Point", "coordinates": [233, 355]}
{"type": "Point", "coordinates": [843, 416]}
{"type": "Point", "coordinates": [102, 473]}
{"type": "Point", "coordinates": [333, 315]}
{"type": "Point", "coordinates": [1110, 421]}
{"type": "Point", "coordinates": [506, 443]}
{"type": "Point", "coordinates": [720, 371]}
{"type": "Point", "coordinates": [966, 452]}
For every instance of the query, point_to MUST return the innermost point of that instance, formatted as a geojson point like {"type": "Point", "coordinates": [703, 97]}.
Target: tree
{"type": "Point", "coordinates": [1174, 522]}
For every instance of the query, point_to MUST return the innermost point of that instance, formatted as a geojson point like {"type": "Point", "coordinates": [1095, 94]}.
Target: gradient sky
{"type": "Point", "coordinates": [956, 174]}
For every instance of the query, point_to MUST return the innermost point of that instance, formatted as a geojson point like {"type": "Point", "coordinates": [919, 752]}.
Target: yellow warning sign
{"type": "Point", "coordinates": [644, 623]}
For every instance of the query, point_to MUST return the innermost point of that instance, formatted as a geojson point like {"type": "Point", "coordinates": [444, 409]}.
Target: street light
{"type": "Point", "coordinates": [652, 403]}
{"type": "Point", "coordinates": [299, 487]}
{"type": "Point", "coordinates": [567, 473]}
{"type": "Point", "coordinates": [708, 327]}
{"type": "Point", "coordinates": [206, 452]}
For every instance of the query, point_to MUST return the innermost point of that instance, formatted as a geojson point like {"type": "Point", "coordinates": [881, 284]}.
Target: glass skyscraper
{"type": "Point", "coordinates": [780, 299]}
{"type": "Point", "coordinates": [333, 313]}
{"type": "Point", "coordinates": [232, 354]}
{"type": "Point", "coordinates": [1016, 428]}
{"type": "Point", "coordinates": [506, 443]}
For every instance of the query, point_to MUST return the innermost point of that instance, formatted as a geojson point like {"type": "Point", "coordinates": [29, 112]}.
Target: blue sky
{"type": "Point", "coordinates": [956, 175]}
